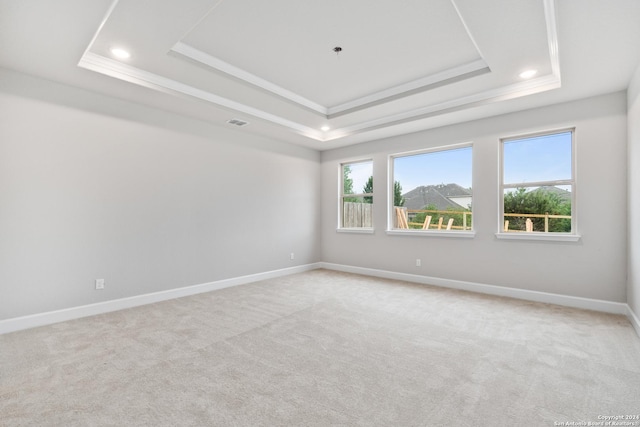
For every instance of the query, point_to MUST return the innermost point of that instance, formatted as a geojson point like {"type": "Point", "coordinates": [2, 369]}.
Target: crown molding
{"type": "Point", "coordinates": [200, 57]}
{"type": "Point", "coordinates": [95, 62]}
{"type": "Point", "coordinates": [113, 68]}
{"type": "Point", "coordinates": [483, 98]}
{"type": "Point", "coordinates": [110, 67]}
{"type": "Point", "coordinates": [550, 14]}
{"type": "Point", "coordinates": [451, 75]}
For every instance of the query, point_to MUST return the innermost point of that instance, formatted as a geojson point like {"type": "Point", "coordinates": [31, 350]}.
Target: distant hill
{"type": "Point", "coordinates": [442, 196]}
{"type": "Point", "coordinates": [564, 195]}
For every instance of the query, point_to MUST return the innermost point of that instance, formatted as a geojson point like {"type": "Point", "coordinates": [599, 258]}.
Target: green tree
{"type": "Point", "coordinates": [347, 181]}
{"type": "Point", "coordinates": [347, 185]}
{"type": "Point", "coordinates": [368, 189]}
{"type": "Point", "coordinates": [537, 201]}
{"type": "Point", "coordinates": [398, 200]}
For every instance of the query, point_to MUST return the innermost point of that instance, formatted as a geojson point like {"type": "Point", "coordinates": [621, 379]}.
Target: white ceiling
{"type": "Point", "coordinates": [405, 65]}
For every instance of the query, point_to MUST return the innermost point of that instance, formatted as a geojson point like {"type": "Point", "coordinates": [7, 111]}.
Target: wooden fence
{"type": "Point", "coordinates": [357, 215]}
{"type": "Point", "coordinates": [529, 223]}
{"type": "Point", "coordinates": [434, 219]}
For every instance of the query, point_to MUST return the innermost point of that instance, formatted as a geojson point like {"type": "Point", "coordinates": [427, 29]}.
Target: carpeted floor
{"type": "Point", "coordinates": [324, 349]}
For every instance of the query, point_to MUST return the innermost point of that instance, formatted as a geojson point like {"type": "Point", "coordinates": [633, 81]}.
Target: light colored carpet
{"type": "Point", "coordinates": [324, 349]}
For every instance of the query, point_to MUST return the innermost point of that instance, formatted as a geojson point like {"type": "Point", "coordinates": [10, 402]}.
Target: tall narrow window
{"type": "Point", "coordinates": [356, 198]}
{"type": "Point", "coordinates": [538, 184]}
{"type": "Point", "coordinates": [432, 190]}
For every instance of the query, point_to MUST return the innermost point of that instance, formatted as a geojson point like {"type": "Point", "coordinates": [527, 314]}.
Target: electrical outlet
{"type": "Point", "coordinates": [293, 256]}
{"type": "Point", "coordinates": [99, 283]}
{"type": "Point", "coordinates": [418, 262]}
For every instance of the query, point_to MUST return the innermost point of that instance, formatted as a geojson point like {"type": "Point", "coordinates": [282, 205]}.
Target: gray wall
{"type": "Point", "coordinates": [149, 203]}
{"type": "Point", "coordinates": [594, 267]}
{"type": "Point", "coordinates": [94, 187]}
{"type": "Point", "coordinates": [633, 284]}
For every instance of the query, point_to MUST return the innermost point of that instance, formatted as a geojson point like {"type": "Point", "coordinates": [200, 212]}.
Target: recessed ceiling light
{"type": "Point", "coordinates": [325, 128]}
{"type": "Point", "coordinates": [528, 74]}
{"type": "Point", "coordinates": [120, 53]}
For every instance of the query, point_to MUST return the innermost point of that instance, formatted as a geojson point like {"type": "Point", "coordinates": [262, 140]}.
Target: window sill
{"type": "Point", "coordinates": [355, 230]}
{"type": "Point", "coordinates": [433, 233]}
{"type": "Point", "coordinates": [549, 237]}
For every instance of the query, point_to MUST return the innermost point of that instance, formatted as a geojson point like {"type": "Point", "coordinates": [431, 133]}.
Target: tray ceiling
{"type": "Point", "coordinates": [273, 63]}
{"type": "Point", "coordinates": [383, 45]}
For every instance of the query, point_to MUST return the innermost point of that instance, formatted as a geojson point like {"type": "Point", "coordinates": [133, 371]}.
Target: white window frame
{"type": "Point", "coordinates": [573, 236]}
{"type": "Point", "coordinates": [390, 195]}
{"type": "Point", "coordinates": [341, 197]}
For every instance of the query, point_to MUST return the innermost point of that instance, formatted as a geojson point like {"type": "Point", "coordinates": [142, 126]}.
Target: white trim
{"type": "Point", "coordinates": [42, 319]}
{"type": "Point", "coordinates": [449, 147]}
{"type": "Point", "coordinates": [503, 93]}
{"type": "Point", "coordinates": [503, 291]}
{"type": "Point", "coordinates": [549, 237]}
{"type": "Point", "coordinates": [113, 68]}
{"type": "Point", "coordinates": [109, 67]}
{"type": "Point", "coordinates": [466, 28]}
{"type": "Point", "coordinates": [341, 194]}
{"type": "Point", "coordinates": [356, 230]}
{"type": "Point", "coordinates": [94, 62]}
{"type": "Point", "coordinates": [391, 193]}
{"type": "Point", "coordinates": [633, 318]}
{"type": "Point", "coordinates": [550, 14]}
{"type": "Point", "coordinates": [573, 236]}
{"type": "Point", "coordinates": [445, 77]}
{"type": "Point", "coordinates": [48, 318]}
{"type": "Point", "coordinates": [452, 75]}
{"type": "Point", "coordinates": [432, 233]}
{"type": "Point", "coordinates": [101, 26]}
{"type": "Point", "coordinates": [97, 63]}
{"type": "Point", "coordinates": [527, 184]}
{"type": "Point", "coordinates": [220, 65]}
{"type": "Point", "coordinates": [391, 190]}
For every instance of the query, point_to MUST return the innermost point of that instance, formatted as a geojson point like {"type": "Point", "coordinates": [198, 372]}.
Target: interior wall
{"type": "Point", "coordinates": [633, 284]}
{"type": "Point", "coordinates": [149, 203]}
{"type": "Point", "coordinates": [594, 267]}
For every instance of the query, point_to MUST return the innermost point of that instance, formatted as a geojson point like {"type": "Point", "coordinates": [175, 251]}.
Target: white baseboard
{"type": "Point", "coordinates": [564, 300]}
{"type": "Point", "coordinates": [41, 319]}
{"type": "Point", "coordinates": [633, 318]}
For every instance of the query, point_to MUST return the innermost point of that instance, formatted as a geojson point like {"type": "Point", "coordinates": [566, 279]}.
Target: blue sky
{"type": "Point", "coordinates": [438, 167]}
{"type": "Point", "coordinates": [541, 158]}
{"type": "Point", "coordinates": [360, 173]}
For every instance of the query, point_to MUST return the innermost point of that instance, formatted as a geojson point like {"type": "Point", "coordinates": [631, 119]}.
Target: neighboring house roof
{"type": "Point", "coordinates": [437, 195]}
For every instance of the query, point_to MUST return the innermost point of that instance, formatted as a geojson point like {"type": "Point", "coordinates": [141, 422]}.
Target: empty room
{"type": "Point", "coordinates": [337, 213]}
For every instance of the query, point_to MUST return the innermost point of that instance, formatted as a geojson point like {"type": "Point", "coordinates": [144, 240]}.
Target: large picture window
{"type": "Point", "coordinates": [432, 190]}
{"type": "Point", "coordinates": [356, 195]}
{"type": "Point", "coordinates": [538, 184]}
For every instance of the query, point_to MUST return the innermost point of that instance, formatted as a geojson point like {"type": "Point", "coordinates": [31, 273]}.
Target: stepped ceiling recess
{"type": "Point", "coordinates": [331, 73]}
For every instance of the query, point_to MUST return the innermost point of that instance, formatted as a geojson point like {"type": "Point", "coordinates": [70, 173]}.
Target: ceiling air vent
{"type": "Point", "coordinates": [237, 122]}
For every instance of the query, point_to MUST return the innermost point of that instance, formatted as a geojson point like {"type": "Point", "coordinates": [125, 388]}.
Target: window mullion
{"type": "Point", "coordinates": [539, 183]}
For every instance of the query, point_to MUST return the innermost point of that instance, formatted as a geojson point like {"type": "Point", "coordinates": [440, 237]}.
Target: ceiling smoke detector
{"type": "Point", "coordinates": [237, 122]}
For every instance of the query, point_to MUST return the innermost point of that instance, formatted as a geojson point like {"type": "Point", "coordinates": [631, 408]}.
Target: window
{"type": "Point", "coordinates": [538, 185]}
{"type": "Point", "coordinates": [432, 190]}
{"type": "Point", "coordinates": [356, 198]}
